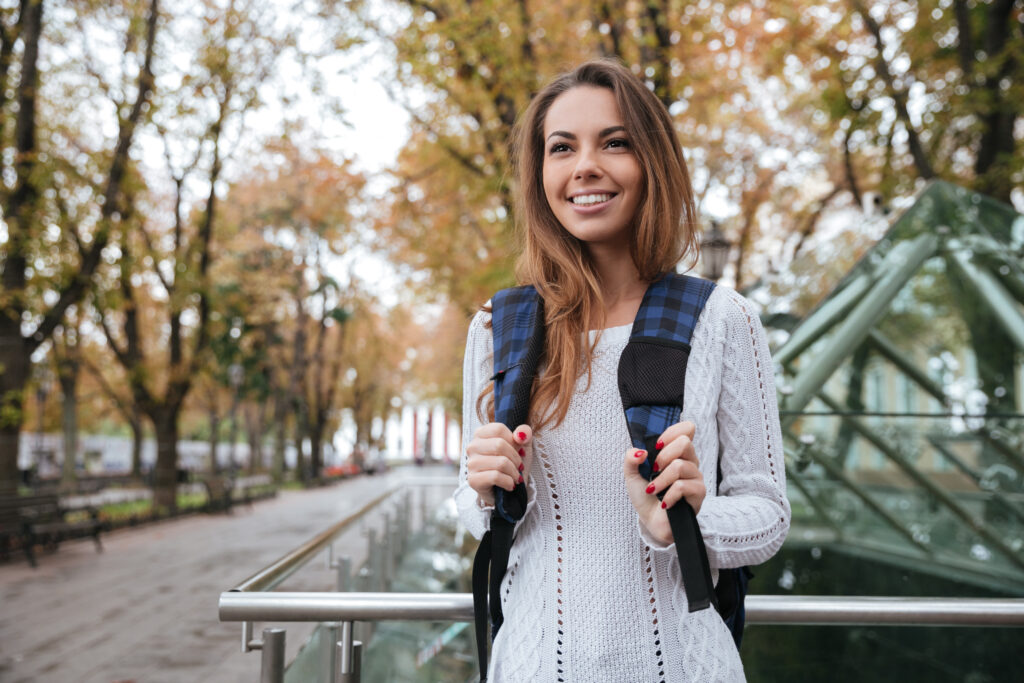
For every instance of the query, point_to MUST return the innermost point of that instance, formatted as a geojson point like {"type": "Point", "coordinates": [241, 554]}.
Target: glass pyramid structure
{"type": "Point", "coordinates": [902, 395]}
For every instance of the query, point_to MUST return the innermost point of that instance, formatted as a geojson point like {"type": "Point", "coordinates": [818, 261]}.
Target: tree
{"type": "Point", "coordinates": [164, 266]}
{"type": "Point", "coordinates": [915, 91]}
{"type": "Point", "coordinates": [297, 216]}
{"type": "Point", "coordinates": [39, 183]}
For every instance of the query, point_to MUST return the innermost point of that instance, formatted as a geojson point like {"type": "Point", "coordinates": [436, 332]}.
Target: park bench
{"type": "Point", "coordinates": [254, 487]}
{"type": "Point", "coordinates": [218, 493]}
{"type": "Point", "coordinates": [39, 519]}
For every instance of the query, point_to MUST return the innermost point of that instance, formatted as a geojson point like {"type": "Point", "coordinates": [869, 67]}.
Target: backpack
{"type": "Point", "coordinates": [651, 376]}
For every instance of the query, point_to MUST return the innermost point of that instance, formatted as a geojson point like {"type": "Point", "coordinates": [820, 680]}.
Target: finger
{"type": "Point", "coordinates": [690, 490]}
{"type": "Point", "coordinates": [509, 464]}
{"type": "Point", "coordinates": [495, 446]}
{"type": "Point", "coordinates": [679, 448]}
{"type": "Point", "coordinates": [676, 470]}
{"type": "Point", "coordinates": [523, 437]}
{"type": "Point", "coordinates": [631, 466]}
{"type": "Point", "coordinates": [486, 480]}
{"type": "Point", "coordinates": [685, 428]}
{"type": "Point", "coordinates": [493, 429]}
{"type": "Point", "coordinates": [636, 482]}
{"type": "Point", "coordinates": [523, 434]}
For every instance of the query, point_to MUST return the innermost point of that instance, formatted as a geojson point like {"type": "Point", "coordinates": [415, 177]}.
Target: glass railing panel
{"type": "Point", "coordinates": [798, 654]}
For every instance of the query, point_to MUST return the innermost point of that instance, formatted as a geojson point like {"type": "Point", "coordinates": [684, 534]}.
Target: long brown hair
{"type": "Point", "coordinates": [558, 264]}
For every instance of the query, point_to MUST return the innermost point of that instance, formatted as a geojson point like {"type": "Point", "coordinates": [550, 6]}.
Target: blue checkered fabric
{"type": "Point", "coordinates": [653, 366]}
{"type": "Point", "coordinates": [514, 324]}
{"type": "Point", "coordinates": [517, 325]}
{"type": "Point", "coordinates": [671, 307]}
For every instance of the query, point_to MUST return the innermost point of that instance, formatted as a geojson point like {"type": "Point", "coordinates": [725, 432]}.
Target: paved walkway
{"type": "Point", "coordinates": [145, 610]}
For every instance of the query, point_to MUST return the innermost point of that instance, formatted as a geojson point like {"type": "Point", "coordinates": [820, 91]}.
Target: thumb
{"type": "Point", "coordinates": [636, 484]}
{"type": "Point", "coordinates": [631, 467]}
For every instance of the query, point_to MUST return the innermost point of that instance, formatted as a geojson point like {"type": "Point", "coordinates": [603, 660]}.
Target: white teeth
{"type": "Point", "coordinates": [587, 199]}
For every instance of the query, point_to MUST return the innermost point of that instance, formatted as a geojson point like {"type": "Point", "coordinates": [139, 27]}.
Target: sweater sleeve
{"type": "Point", "coordinates": [476, 372]}
{"type": "Point", "coordinates": [748, 519]}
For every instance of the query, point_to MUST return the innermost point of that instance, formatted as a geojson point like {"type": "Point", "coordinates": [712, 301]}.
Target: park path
{"type": "Point", "coordinates": [145, 610]}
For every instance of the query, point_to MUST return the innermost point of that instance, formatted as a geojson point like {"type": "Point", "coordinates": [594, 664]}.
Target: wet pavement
{"type": "Point", "coordinates": [145, 609]}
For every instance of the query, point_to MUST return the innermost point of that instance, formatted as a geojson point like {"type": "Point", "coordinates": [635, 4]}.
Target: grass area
{"type": "Point", "coordinates": [140, 509]}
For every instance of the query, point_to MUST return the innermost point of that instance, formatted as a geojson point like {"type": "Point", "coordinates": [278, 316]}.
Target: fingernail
{"type": "Point", "coordinates": [660, 444]}
{"type": "Point", "coordinates": [641, 454]}
{"type": "Point", "coordinates": [520, 479]}
{"type": "Point", "coordinates": [522, 436]}
{"type": "Point", "coordinates": [656, 467]}
{"type": "Point", "coordinates": [650, 489]}
{"type": "Point", "coordinates": [663, 506]}
{"type": "Point", "coordinates": [520, 467]}
{"type": "Point", "coordinates": [522, 451]}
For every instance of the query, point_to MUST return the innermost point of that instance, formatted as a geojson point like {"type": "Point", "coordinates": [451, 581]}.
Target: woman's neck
{"type": "Point", "coordinates": [621, 287]}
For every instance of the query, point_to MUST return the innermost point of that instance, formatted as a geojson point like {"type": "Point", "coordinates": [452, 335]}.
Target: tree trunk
{"type": "Point", "coordinates": [315, 453]}
{"type": "Point", "coordinates": [15, 361]}
{"type": "Point", "coordinates": [254, 434]}
{"type": "Point", "coordinates": [214, 438]}
{"type": "Point", "coordinates": [302, 433]}
{"type": "Point", "coordinates": [280, 442]}
{"type": "Point", "coordinates": [428, 438]}
{"type": "Point", "coordinates": [233, 432]}
{"type": "Point", "coordinates": [165, 474]}
{"type": "Point", "coordinates": [137, 436]}
{"type": "Point", "coordinates": [68, 376]}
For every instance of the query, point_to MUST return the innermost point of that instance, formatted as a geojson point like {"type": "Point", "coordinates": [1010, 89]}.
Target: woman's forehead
{"type": "Point", "coordinates": [582, 110]}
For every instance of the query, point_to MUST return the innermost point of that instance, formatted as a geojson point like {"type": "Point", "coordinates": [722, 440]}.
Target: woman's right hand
{"type": "Point", "coordinates": [498, 457]}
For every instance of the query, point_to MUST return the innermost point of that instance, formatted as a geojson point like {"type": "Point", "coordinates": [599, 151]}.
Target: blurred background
{"type": "Point", "coordinates": [246, 236]}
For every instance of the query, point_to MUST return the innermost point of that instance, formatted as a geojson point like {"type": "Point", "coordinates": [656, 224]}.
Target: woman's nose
{"type": "Point", "coordinates": [587, 165]}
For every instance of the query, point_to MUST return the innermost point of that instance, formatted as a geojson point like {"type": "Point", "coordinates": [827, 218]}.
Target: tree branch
{"type": "Point", "coordinates": [965, 38]}
{"type": "Point", "coordinates": [899, 96]}
{"type": "Point", "coordinates": [74, 290]}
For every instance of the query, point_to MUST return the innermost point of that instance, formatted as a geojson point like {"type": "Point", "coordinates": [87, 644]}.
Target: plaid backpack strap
{"type": "Point", "coordinates": [517, 326]}
{"type": "Point", "coordinates": [652, 375]}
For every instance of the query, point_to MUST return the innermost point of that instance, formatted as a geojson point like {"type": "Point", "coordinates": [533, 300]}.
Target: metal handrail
{"type": "Point", "coordinates": [274, 574]}
{"type": "Point", "coordinates": [760, 609]}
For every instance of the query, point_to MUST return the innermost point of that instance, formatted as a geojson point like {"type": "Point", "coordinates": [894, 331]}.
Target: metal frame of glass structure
{"type": "Point", "coordinates": [952, 260]}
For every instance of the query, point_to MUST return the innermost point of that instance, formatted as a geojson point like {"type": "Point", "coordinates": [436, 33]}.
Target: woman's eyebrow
{"type": "Point", "coordinates": [604, 133]}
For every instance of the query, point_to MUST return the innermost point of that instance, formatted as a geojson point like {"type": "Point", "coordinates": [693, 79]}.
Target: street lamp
{"type": "Point", "coordinates": [714, 252]}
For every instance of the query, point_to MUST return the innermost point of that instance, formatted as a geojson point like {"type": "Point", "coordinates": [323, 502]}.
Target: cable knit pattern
{"type": "Point", "coordinates": [589, 595]}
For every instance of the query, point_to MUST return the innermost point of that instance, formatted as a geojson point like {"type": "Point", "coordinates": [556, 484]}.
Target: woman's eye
{"type": "Point", "coordinates": [559, 147]}
{"type": "Point", "coordinates": [618, 142]}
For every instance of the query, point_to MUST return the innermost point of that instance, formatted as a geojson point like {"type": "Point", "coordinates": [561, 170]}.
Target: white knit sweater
{"type": "Point", "coordinates": [589, 595]}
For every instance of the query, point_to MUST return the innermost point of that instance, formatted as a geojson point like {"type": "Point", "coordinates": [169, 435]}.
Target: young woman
{"type": "Point", "coordinates": [592, 591]}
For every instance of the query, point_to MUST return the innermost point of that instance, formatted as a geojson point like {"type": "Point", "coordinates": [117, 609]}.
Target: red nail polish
{"type": "Point", "coordinates": [522, 436]}
{"type": "Point", "coordinates": [520, 479]}
{"type": "Point", "coordinates": [656, 467]}
{"type": "Point", "coordinates": [650, 489]}
{"type": "Point", "coordinates": [522, 451]}
{"type": "Point", "coordinates": [663, 506]}
{"type": "Point", "coordinates": [641, 454]}
{"type": "Point", "coordinates": [520, 467]}
{"type": "Point", "coordinates": [660, 444]}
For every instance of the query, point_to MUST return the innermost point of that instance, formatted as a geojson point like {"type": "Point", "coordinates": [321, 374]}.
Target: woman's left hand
{"type": "Point", "coordinates": [678, 475]}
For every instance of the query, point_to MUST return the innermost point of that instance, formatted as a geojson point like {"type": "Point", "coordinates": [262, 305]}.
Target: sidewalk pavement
{"type": "Point", "coordinates": [145, 610]}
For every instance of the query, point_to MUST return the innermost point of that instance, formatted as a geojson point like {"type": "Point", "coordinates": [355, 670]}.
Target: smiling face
{"type": "Point", "coordinates": [592, 179]}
